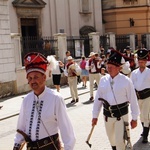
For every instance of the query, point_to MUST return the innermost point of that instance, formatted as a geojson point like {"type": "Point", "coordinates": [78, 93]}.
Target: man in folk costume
{"type": "Point", "coordinates": [130, 57]}
{"type": "Point", "coordinates": [93, 65]}
{"type": "Point", "coordinates": [43, 112]}
{"type": "Point", "coordinates": [141, 80]}
{"type": "Point", "coordinates": [72, 70]}
{"type": "Point", "coordinates": [114, 92]}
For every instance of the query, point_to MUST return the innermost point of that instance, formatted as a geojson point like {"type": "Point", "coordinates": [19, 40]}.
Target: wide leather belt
{"type": "Point", "coordinates": [116, 110]}
{"type": "Point", "coordinates": [44, 143]}
{"type": "Point", "coordinates": [143, 94]}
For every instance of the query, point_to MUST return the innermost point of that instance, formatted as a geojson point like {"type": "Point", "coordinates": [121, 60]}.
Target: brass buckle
{"type": "Point", "coordinates": [110, 110]}
{"type": "Point", "coordinates": [45, 143]}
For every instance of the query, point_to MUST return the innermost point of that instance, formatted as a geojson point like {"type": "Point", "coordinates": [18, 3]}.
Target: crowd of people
{"type": "Point", "coordinates": [122, 79]}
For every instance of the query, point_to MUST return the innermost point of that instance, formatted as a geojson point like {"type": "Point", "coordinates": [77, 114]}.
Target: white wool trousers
{"type": "Point", "coordinates": [115, 131]}
{"type": "Point", "coordinates": [144, 105]}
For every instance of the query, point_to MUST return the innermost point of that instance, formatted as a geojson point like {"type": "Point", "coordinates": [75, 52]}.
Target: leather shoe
{"type": "Point", "coordinates": [73, 101]}
{"type": "Point", "coordinates": [145, 140]}
{"type": "Point", "coordinates": [91, 98]}
{"type": "Point", "coordinates": [77, 100]}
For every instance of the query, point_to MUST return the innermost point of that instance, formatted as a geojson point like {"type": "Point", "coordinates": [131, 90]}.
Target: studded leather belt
{"type": "Point", "coordinates": [44, 143]}
{"type": "Point", "coordinates": [143, 94]}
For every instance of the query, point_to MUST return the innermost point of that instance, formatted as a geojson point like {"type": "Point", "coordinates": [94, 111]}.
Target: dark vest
{"type": "Point", "coordinates": [67, 65]}
{"type": "Point", "coordinates": [131, 60]}
{"type": "Point", "coordinates": [95, 63]}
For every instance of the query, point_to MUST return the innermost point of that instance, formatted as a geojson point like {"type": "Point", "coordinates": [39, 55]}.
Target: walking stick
{"type": "Point", "coordinates": [89, 136]}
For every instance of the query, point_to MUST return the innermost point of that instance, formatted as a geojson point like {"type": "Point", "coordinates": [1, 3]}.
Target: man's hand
{"type": "Point", "coordinates": [133, 124]}
{"type": "Point", "coordinates": [94, 121]}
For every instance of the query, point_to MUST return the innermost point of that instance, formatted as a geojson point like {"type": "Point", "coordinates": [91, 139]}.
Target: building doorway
{"type": "Point", "coordinates": [29, 27]}
{"type": "Point", "coordinates": [29, 32]}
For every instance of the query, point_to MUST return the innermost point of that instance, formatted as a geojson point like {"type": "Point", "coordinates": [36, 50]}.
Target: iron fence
{"type": "Point", "coordinates": [105, 42]}
{"type": "Point", "coordinates": [44, 45]}
{"type": "Point", "coordinates": [136, 42]}
{"type": "Point", "coordinates": [122, 41]}
{"type": "Point", "coordinates": [79, 46]}
{"type": "Point", "coordinates": [143, 40]}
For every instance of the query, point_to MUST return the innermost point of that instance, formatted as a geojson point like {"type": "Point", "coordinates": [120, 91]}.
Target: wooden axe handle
{"type": "Point", "coordinates": [89, 136]}
{"type": "Point", "coordinates": [22, 145]}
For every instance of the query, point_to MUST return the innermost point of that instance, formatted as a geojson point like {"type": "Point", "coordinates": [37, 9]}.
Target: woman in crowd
{"type": "Point", "coordinates": [55, 67]}
{"type": "Point", "coordinates": [84, 72]}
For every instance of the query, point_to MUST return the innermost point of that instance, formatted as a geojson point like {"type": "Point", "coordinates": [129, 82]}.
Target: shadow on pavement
{"type": "Point", "coordinates": [70, 105]}
{"type": "Point", "coordinates": [81, 88]}
{"type": "Point", "coordinates": [140, 146]}
{"type": "Point", "coordinates": [87, 102]}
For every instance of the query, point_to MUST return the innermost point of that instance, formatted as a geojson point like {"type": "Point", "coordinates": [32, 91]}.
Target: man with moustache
{"type": "Point", "coordinates": [43, 112]}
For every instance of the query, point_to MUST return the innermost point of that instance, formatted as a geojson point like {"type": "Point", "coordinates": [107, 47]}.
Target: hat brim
{"type": "Point", "coordinates": [114, 63]}
{"type": "Point", "coordinates": [35, 70]}
{"type": "Point", "coordinates": [92, 55]}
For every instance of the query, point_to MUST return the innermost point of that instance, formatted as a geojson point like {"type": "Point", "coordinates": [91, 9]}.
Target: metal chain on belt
{"type": "Point", "coordinates": [126, 124]}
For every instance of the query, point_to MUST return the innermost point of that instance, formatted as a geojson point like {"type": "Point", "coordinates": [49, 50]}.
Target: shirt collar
{"type": "Point", "coordinates": [42, 94]}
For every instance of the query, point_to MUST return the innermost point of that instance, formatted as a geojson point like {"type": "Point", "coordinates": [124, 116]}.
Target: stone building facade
{"type": "Point", "coordinates": [7, 57]}
{"type": "Point", "coordinates": [57, 18]}
{"type": "Point", "coordinates": [48, 17]}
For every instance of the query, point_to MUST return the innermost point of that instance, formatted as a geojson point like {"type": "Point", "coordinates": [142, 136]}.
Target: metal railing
{"type": "Point", "coordinates": [122, 41]}
{"type": "Point", "coordinates": [44, 45]}
{"type": "Point", "coordinates": [79, 46]}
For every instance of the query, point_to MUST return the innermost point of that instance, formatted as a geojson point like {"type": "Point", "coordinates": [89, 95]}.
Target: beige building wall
{"type": "Point", "coordinates": [117, 16]}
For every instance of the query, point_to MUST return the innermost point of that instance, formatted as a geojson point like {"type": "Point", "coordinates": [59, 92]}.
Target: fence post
{"type": "Point", "coordinates": [147, 41]}
{"type": "Point", "coordinates": [15, 37]}
{"type": "Point", "coordinates": [132, 41]}
{"type": "Point", "coordinates": [61, 45]}
{"type": "Point", "coordinates": [112, 39]}
{"type": "Point", "coordinates": [95, 41]}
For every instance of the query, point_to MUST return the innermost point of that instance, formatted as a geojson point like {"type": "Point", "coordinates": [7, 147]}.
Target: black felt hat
{"type": "Point", "coordinates": [116, 58]}
{"type": "Point", "coordinates": [128, 48]}
{"type": "Point", "coordinates": [142, 54]}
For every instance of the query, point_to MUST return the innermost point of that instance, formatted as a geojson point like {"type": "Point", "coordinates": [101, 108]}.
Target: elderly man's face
{"type": "Point", "coordinates": [113, 70]}
{"type": "Point", "coordinates": [36, 81]}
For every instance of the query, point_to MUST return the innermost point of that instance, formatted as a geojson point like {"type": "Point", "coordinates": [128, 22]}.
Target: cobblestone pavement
{"type": "Point", "coordinates": [80, 115]}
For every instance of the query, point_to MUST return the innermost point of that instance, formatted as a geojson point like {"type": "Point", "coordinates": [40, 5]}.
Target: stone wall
{"type": "Point", "coordinates": [7, 60]}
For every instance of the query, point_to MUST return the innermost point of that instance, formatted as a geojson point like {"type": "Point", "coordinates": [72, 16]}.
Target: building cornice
{"type": "Point", "coordinates": [29, 3]}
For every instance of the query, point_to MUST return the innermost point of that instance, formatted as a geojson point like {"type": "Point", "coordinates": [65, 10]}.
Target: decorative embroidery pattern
{"type": "Point", "coordinates": [39, 120]}
{"type": "Point", "coordinates": [31, 118]}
